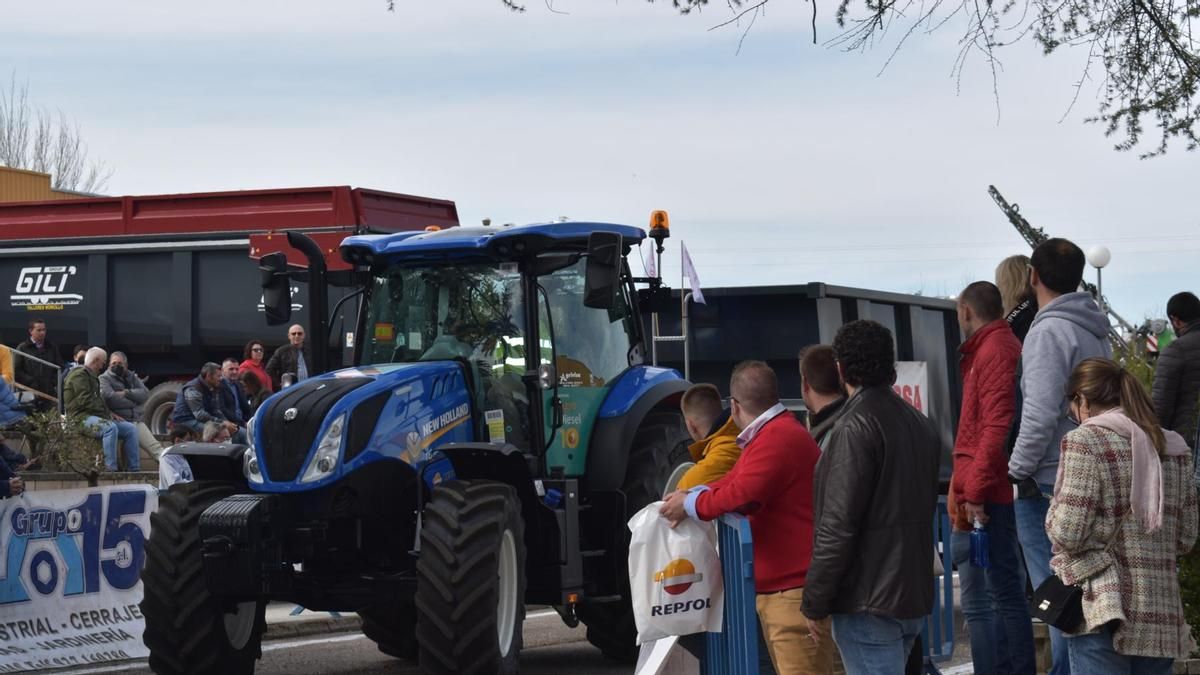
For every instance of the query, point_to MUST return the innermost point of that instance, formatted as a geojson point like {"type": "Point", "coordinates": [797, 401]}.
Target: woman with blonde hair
{"type": "Point", "coordinates": [1020, 303]}
{"type": "Point", "coordinates": [1124, 508]}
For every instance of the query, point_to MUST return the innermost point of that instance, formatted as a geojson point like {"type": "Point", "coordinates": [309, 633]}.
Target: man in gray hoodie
{"type": "Point", "coordinates": [1069, 327]}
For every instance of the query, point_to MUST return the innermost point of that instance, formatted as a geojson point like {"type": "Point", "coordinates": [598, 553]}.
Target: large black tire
{"type": "Point", "coordinates": [392, 629]}
{"type": "Point", "coordinates": [159, 406]}
{"type": "Point", "coordinates": [471, 534]}
{"type": "Point", "coordinates": [186, 626]}
{"type": "Point", "coordinates": [660, 445]}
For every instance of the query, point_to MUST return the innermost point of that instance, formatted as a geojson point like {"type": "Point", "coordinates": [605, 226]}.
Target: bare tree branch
{"type": "Point", "coordinates": [34, 139]}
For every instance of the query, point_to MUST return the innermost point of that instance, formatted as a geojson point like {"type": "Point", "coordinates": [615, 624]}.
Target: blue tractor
{"type": "Point", "coordinates": [485, 455]}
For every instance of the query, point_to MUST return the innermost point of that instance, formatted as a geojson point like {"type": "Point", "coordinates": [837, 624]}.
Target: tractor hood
{"type": "Point", "coordinates": [313, 433]}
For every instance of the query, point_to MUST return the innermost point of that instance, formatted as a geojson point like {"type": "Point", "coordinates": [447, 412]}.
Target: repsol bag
{"type": "Point", "coordinates": [674, 575]}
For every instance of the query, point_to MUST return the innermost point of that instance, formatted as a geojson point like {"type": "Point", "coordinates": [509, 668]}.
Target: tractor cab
{"type": "Point", "coordinates": [542, 319]}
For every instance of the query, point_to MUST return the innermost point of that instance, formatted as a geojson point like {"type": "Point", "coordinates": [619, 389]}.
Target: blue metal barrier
{"type": "Point", "coordinates": [734, 651]}
{"type": "Point", "coordinates": [938, 633]}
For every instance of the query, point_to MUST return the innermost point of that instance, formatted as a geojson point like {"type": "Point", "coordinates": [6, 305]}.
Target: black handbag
{"type": "Point", "coordinates": [1058, 604]}
{"type": "Point", "coordinates": [1061, 605]}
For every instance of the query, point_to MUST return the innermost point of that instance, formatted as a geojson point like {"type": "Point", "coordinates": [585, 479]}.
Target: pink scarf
{"type": "Point", "coordinates": [1146, 489]}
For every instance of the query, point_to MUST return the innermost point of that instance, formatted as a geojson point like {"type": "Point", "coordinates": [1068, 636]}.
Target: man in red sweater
{"type": "Point", "coordinates": [993, 598]}
{"type": "Point", "coordinates": [772, 484]}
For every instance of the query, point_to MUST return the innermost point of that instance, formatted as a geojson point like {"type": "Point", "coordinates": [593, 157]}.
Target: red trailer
{"type": "Point", "coordinates": [167, 279]}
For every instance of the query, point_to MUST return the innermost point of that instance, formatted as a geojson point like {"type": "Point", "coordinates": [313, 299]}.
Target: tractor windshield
{"type": "Point", "coordinates": [471, 312]}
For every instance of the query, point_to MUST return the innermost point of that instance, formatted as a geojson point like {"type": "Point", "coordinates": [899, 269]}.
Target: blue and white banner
{"type": "Point", "coordinates": [70, 562]}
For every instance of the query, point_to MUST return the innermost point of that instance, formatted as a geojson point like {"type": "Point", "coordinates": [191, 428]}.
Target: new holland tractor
{"type": "Point", "coordinates": [499, 430]}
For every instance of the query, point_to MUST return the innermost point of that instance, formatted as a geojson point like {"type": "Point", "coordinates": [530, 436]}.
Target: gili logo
{"type": "Point", "coordinates": [44, 288]}
{"type": "Point", "coordinates": [678, 576]}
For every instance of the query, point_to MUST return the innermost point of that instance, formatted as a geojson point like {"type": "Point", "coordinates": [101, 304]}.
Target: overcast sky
{"type": "Point", "coordinates": [785, 163]}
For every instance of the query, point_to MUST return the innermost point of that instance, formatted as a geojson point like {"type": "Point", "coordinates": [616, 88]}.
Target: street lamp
{"type": "Point", "coordinates": [1099, 257]}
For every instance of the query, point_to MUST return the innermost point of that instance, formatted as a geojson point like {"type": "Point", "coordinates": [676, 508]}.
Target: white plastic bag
{"type": "Point", "coordinates": [675, 576]}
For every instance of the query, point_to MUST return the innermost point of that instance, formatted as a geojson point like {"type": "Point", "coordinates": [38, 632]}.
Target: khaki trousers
{"type": "Point", "coordinates": [793, 652]}
{"type": "Point", "coordinates": [147, 441]}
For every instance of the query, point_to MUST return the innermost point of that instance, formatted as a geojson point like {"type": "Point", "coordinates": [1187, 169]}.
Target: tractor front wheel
{"type": "Point", "coordinates": [471, 579]}
{"type": "Point", "coordinates": [190, 631]}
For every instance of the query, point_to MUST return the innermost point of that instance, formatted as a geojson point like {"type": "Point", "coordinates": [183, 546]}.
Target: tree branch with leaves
{"type": "Point", "coordinates": [1143, 55]}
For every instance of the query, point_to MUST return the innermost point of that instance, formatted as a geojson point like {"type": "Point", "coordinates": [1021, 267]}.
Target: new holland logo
{"type": "Point", "coordinates": [677, 578]}
{"type": "Point", "coordinates": [43, 288]}
{"type": "Point", "coordinates": [289, 414]}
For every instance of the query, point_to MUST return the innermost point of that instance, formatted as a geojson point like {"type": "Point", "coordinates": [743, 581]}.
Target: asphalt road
{"type": "Point", "coordinates": [550, 648]}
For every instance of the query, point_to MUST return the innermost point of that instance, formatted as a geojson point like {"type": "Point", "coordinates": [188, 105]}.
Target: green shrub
{"type": "Point", "coordinates": [62, 444]}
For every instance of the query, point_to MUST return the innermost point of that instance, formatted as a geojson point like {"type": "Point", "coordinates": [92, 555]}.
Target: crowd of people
{"type": "Point", "coordinates": [106, 398]}
{"type": "Point", "coordinates": [1062, 458]}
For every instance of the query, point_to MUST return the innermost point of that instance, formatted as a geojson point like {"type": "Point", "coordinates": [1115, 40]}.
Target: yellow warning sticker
{"type": "Point", "coordinates": [495, 425]}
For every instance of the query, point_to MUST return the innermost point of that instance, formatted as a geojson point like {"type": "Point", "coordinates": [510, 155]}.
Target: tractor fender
{"type": "Point", "coordinates": [638, 392]}
{"type": "Point", "coordinates": [212, 461]}
{"type": "Point", "coordinates": [500, 463]}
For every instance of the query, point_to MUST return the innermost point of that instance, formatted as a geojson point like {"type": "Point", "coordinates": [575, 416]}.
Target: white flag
{"type": "Point", "coordinates": [689, 271]}
{"type": "Point", "coordinates": [648, 261]}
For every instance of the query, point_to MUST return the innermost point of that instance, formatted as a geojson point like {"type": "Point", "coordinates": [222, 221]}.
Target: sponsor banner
{"type": "Point", "coordinates": [912, 384]}
{"type": "Point", "coordinates": [70, 562]}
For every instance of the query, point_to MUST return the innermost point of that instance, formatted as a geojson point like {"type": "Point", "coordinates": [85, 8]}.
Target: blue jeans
{"type": "Point", "coordinates": [1031, 530]}
{"type": "Point", "coordinates": [109, 432]}
{"type": "Point", "coordinates": [993, 599]}
{"type": "Point", "coordinates": [874, 645]}
{"type": "Point", "coordinates": [1094, 654]}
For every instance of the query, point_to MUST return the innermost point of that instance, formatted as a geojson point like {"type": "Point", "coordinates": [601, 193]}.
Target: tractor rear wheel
{"type": "Point", "coordinates": [471, 579]}
{"type": "Point", "coordinates": [660, 446]}
{"type": "Point", "coordinates": [188, 630]}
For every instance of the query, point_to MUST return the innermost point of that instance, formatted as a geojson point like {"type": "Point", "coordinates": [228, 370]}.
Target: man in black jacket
{"type": "Point", "coordinates": [291, 358]}
{"type": "Point", "coordinates": [821, 389]}
{"type": "Point", "coordinates": [1176, 390]}
{"type": "Point", "coordinates": [35, 374]}
{"type": "Point", "coordinates": [875, 494]}
{"type": "Point", "coordinates": [235, 404]}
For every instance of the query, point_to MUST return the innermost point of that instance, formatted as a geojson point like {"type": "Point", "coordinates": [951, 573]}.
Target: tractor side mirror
{"type": "Point", "coordinates": [277, 288]}
{"type": "Point", "coordinates": [603, 270]}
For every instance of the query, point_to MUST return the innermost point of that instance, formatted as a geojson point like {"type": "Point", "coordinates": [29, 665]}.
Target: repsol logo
{"type": "Point", "coordinates": [680, 607]}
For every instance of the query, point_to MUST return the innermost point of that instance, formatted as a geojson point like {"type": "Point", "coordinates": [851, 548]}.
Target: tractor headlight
{"type": "Point", "coordinates": [250, 466]}
{"type": "Point", "coordinates": [325, 460]}
{"type": "Point", "coordinates": [249, 459]}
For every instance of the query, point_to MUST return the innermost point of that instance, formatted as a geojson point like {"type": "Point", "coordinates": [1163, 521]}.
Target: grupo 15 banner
{"type": "Point", "coordinates": [912, 384]}
{"type": "Point", "coordinates": [70, 562]}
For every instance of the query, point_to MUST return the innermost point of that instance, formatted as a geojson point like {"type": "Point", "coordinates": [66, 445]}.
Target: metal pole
{"type": "Point", "coordinates": [687, 353]}
{"type": "Point", "coordinates": [1100, 290]}
{"type": "Point", "coordinates": [654, 339]}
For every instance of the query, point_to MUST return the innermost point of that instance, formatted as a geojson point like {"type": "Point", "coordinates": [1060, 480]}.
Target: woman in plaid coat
{"type": "Point", "coordinates": [1124, 509]}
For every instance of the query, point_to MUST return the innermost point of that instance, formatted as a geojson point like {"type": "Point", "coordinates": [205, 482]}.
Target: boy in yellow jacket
{"type": "Point", "coordinates": [715, 449]}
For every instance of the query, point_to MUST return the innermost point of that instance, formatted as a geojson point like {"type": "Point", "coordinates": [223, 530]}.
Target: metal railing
{"type": "Point", "coordinates": [938, 633]}
{"type": "Point", "coordinates": [734, 651]}
{"type": "Point", "coordinates": [58, 379]}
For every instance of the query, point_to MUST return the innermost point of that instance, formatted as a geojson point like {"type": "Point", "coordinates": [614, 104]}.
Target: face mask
{"type": "Point", "coordinates": [118, 370]}
{"type": "Point", "coordinates": [79, 360]}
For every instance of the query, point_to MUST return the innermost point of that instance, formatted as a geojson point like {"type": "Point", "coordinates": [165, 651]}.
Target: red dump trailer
{"type": "Point", "coordinates": [167, 278]}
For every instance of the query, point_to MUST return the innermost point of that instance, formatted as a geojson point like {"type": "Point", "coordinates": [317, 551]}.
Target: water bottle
{"type": "Point", "coordinates": [979, 545]}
